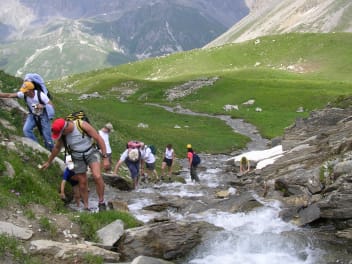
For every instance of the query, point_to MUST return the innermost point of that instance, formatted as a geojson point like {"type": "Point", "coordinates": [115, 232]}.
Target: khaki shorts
{"type": "Point", "coordinates": [83, 160]}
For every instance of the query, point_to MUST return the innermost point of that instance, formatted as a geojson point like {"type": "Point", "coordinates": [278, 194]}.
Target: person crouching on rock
{"type": "Point", "coordinates": [245, 165]}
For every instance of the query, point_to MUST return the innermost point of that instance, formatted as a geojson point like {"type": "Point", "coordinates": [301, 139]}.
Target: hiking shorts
{"type": "Point", "coordinates": [82, 162]}
{"type": "Point", "coordinates": [72, 182]}
{"type": "Point", "coordinates": [150, 166]}
{"type": "Point", "coordinates": [168, 162]}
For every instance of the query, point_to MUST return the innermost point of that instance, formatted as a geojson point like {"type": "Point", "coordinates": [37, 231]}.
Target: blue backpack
{"type": "Point", "coordinates": [38, 82]}
{"type": "Point", "coordinates": [152, 149]}
{"type": "Point", "coordinates": [196, 159]}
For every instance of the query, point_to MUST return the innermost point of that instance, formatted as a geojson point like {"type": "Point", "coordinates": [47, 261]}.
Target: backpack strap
{"type": "Point", "coordinates": [78, 124]}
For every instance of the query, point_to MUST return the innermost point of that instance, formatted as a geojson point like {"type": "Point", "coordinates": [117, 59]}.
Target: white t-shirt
{"type": "Point", "coordinates": [124, 155]}
{"type": "Point", "coordinates": [169, 153]}
{"type": "Point", "coordinates": [34, 101]}
{"type": "Point", "coordinates": [147, 155]}
{"type": "Point", "coordinates": [105, 137]}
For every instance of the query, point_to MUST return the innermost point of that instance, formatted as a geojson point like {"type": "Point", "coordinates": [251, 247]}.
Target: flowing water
{"type": "Point", "coordinates": [255, 237]}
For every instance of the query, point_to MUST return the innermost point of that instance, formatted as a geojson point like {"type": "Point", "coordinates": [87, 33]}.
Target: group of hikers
{"type": "Point", "coordinates": [85, 147]}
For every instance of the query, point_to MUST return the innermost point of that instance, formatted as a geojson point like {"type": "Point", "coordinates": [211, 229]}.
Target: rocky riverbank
{"type": "Point", "coordinates": [312, 181]}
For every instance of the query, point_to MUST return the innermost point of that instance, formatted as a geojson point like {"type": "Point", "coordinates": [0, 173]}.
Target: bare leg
{"type": "Point", "coordinates": [83, 188]}
{"type": "Point", "coordinates": [77, 195]}
{"type": "Point", "coordinates": [98, 179]}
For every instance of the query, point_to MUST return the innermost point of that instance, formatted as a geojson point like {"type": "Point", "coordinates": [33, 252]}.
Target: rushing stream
{"type": "Point", "coordinates": [258, 236]}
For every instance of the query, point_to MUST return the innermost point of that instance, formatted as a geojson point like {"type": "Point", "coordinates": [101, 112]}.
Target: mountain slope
{"type": "Point", "coordinates": [268, 17]}
{"type": "Point", "coordinates": [59, 37]}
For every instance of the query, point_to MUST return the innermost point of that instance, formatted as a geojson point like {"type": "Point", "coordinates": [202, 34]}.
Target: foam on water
{"type": "Point", "coordinates": [257, 237]}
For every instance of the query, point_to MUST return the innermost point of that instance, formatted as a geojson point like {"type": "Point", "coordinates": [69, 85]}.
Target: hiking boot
{"type": "Point", "coordinates": [102, 207]}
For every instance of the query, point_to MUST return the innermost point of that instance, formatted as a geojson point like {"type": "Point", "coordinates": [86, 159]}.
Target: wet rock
{"type": "Point", "coordinates": [165, 240]}
{"type": "Point", "coordinates": [149, 260]}
{"type": "Point", "coordinates": [307, 215]}
{"type": "Point", "coordinates": [121, 183]}
{"type": "Point", "coordinates": [118, 205]}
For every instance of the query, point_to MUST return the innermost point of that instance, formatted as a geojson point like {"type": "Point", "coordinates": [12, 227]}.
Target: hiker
{"type": "Point", "coordinates": [104, 133]}
{"type": "Point", "coordinates": [132, 158]}
{"type": "Point", "coordinates": [168, 160]}
{"type": "Point", "coordinates": [84, 154]}
{"type": "Point", "coordinates": [192, 166]}
{"type": "Point", "coordinates": [148, 158]}
{"type": "Point", "coordinates": [244, 165]}
{"type": "Point", "coordinates": [70, 176]}
{"type": "Point", "coordinates": [37, 116]}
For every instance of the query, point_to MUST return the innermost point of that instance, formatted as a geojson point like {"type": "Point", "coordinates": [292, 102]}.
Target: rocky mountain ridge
{"type": "Point", "coordinates": [279, 17]}
{"type": "Point", "coordinates": [59, 38]}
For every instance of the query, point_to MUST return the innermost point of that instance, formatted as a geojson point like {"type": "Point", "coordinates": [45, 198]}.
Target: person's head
{"type": "Point", "coordinates": [27, 89]}
{"type": "Point", "coordinates": [189, 147]}
{"type": "Point", "coordinates": [169, 146]}
{"type": "Point", "coordinates": [58, 127]}
{"type": "Point", "coordinates": [108, 127]}
{"type": "Point", "coordinates": [244, 160]}
{"type": "Point", "coordinates": [141, 145]}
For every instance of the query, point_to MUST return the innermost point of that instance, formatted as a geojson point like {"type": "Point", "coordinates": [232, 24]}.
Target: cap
{"type": "Point", "coordinates": [109, 126]}
{"type": "Point", "coordinates": [189, 146]}
{"type": "Point", "coordinates": [57, 127]}
{"type": "Point", "coordinates": [26, 86]}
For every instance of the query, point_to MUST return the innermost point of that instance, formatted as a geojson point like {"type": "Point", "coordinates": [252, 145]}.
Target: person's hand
{"type": "Point", "coordinates": [106, 163]}
{"type": "Point", "coordinates": [62, 196]}
{"type": "Point", "coordinates": [44, 166]}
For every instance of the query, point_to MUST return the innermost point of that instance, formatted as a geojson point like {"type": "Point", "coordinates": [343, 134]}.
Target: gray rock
{"type": "Point", "coordinates": [109, 234]}
{"type": "Point", "coordinates": [149, 260]}
{"type": "Point", "coordinates": [58, 250]}
{"type": "Point", "coordinates": [15, 231]}
{"type": "Point", "coordinates": [165, 240]}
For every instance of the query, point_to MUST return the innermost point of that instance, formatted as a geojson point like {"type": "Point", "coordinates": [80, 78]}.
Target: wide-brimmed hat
{"type": "Point", "coordinates": [27, 86]}
{"type": "Point", "coordinates": [109, 126]}
{"type": "Point", "coordinates": [57, 127]}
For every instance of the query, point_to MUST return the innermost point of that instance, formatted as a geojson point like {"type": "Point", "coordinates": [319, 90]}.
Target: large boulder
{"type": "Point", "coordinates": [166, 240]}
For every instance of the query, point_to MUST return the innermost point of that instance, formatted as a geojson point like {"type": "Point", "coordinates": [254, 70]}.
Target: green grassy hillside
{"type": "Point", "coordinates": [281, 73]}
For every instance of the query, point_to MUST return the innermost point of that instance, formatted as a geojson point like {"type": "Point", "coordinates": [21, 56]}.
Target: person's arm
{"type": "Point", "coordinates": [248, 166]}
{"type": "Point", "coordinates": [62, 189]}
{"type": "Point", "coordinates": [118, 164]}
{"type": "Point", "coordinates": [95, 135]}
{"type": "Point", "coordinates": [55, 151]}
{"type": "Point", "coordinates": [8, 95]}
{"type": "Point", "coordinates": [42, 106]}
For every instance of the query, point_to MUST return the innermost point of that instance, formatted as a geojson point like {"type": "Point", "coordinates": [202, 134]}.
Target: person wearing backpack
{"type": "Point", "coordinates": [83, 152]}
{"type": "Point", "coordinates": [36, 102]}
{"type": "Point", "coordinates": [148, 158]}
{"type": "Point", "coordinates": [169, 156]}
{"type": "Point", "coordinates": [193, 161]}
{"type": "Point", "coordinates": [132, 158]}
